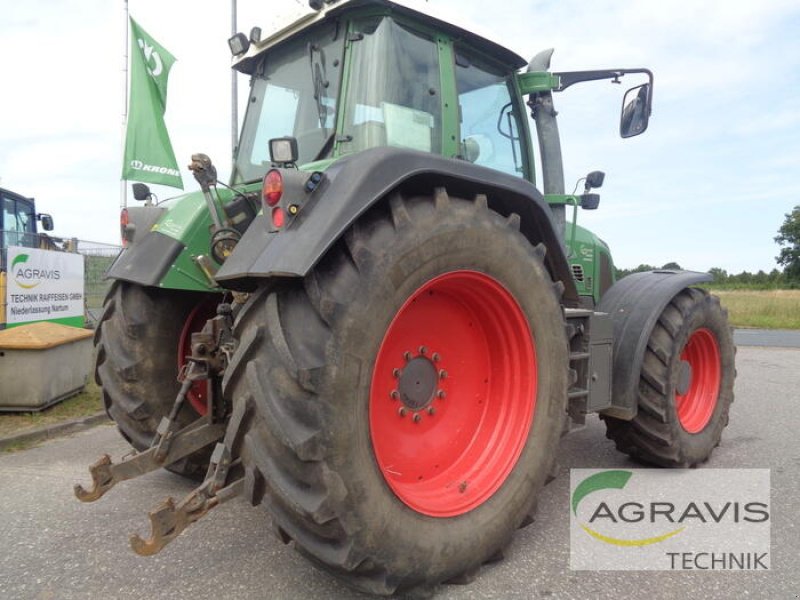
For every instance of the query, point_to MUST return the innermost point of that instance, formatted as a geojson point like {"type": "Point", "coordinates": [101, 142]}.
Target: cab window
{"type": "Point", "coordinates": [294, 94]}
{"type": "Point", "coordinates": [394, 98]}
{"type": "Point", "coordinates": [18, 223]}
{"type": "Point", "coordinates": [490, 127]}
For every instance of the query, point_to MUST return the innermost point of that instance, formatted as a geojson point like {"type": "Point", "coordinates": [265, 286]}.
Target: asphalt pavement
{"type": "Point", "coordinates": [56, 547]}
{"type": "Point", "coordinates": [773, 338]}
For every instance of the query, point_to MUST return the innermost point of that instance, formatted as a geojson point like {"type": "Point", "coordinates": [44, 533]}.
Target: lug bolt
{"type": "Point", "coordinates": [402, 411]}
{"type": "Point", "coordinates": [396, 373]}
{"type": "Point", "coordinates": [407, 356]}
{"type": "Point", "coordinates": [395, 395]}
{"type": "Point", "coordinates": [417, 417]}
{"type": "Point", "coordinates": [423, 350]}
{"type": "Point", "coordinates": [442, 374]}
{"type": "Point", "coordinates": [436, 357]}
{"type": "Point", "coordinates": [431, 411]}
{"type": "Point", "coordinates": [441, 394]}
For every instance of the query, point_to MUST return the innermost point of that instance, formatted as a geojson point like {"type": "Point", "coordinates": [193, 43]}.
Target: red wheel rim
{"type": "Point", "coordinates": [696, 406]}
{"type": "Point", "coordinates": [446, 446]}
{"type": "Point", "coordinates": [198, 393]}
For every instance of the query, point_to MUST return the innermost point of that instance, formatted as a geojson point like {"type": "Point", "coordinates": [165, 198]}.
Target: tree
{"type": "Point", "coordinates": [789, 236]}
{"type": "Point", "coordinates": [720, 275]}
{"type": "Point", "coordinates": [641, 268]}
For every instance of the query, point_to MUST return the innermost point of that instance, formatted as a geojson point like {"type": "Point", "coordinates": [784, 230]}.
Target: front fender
{"type": "Point", "coordinates": [167, 240]}
{"type": "Point", "coordinates": [635, 303]}
{"type": "Point", "coordinates": [355, 183]}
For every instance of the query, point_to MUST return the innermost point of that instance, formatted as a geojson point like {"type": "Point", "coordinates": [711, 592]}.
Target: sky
{"type": "Point", "coordinates": [707, 185]}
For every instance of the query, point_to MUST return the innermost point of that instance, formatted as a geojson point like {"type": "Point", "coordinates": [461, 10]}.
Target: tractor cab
{"type": "Point", "coordinates": [361, 75]}
{"type": "Point", "coordinates": [18, 223]}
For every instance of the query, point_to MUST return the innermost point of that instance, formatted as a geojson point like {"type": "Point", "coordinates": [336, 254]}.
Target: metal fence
{"type": "Point", "coordinates": [98, 257]}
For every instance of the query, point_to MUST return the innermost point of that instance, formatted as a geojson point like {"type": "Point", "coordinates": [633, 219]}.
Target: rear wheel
{"type": "Point", "coordinates": [685, 387]}
{"type": "Point", "coordinates": [405, 401]}
{"type": "Point", "coordinates": [141, 342]}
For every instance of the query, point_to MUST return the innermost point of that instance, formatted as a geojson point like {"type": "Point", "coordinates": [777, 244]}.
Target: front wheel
{"type": "Point", "coordinates": [685, 386]}
{"type": "Point", "coordinates": [405, 401]}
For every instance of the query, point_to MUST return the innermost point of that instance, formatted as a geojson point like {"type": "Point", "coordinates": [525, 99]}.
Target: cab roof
{"type": "Point", "coordinates": [246, 62]}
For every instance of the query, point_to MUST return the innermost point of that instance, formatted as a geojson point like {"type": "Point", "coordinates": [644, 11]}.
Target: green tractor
{"type": "Point", "coordinates": [382, 328]}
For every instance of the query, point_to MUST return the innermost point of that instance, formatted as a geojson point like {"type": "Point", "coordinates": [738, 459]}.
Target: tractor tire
{"type": "Point", "coordinates": [141, 339]}
{"type": "Point", "coordinates": [404, 402]}
{"type": "Point", "coordinates": [685, 386]}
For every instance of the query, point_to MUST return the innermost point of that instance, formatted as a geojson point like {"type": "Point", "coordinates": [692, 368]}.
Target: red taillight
{"type": "Point", "coordinates": [273, 188]}
{"type": "Point", "coordinates": [278, 217]}
{"type": "Point", "coordinates": [123, 224]}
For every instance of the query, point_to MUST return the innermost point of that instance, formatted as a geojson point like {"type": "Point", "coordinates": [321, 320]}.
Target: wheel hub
{"type": "Point", "coordinates": [684, 377]}
{"type": "Point", "coordinates": [417, 383]}
{"type": "Point", "coordinates": [699, 380]}
{"type": "Point", "coordinates": [198, 394]}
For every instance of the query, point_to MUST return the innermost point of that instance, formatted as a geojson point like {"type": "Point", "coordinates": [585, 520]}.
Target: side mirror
{"type": "Point", "coordinates": [595, 180]}
{"type": "Point", "coordinates": [46, 220]}
{"type": "Point", "coordinates": [636, 107]}
{"type": "Point", "coordinates": [141, 191]}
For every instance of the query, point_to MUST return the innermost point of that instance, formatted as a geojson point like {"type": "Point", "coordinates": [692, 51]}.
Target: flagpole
{"type": "Point", "coordinates": [234, 90]}
{"type": "Point", "coordinates": [123, 189]}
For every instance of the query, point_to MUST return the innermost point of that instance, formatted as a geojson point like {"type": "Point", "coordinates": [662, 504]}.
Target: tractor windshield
{"type": "Point", "coordinates": [394, 95]}
{"type": "Point", "coordinates": [293, 93]}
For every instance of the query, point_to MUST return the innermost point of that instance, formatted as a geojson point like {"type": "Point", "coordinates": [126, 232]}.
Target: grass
{"type": "Point", "coordinates": [87, 403]}
{"type": "Point", "coordinates": [768, 309]}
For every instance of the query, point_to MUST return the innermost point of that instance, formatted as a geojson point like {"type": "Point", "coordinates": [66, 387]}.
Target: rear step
{"type": "Point", "coordinates": [590, 336]}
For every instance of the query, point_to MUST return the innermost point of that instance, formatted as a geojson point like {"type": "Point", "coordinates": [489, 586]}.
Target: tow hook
{"type": "Point", "coordinates": [211, 350]}
{"type": "Point", "coordinates": [106, 474]}
{"type": "Point", "coordinates": [168, 520]}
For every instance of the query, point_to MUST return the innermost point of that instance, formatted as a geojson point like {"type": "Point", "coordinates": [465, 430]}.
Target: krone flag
{"type": "Point", "coordinates": [148, 152]}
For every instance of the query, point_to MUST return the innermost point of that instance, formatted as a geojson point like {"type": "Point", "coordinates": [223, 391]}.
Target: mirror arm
{"type": "Point", "coordinates": [569, 78]}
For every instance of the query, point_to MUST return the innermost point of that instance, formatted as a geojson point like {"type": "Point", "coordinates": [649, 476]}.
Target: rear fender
{"type": "Point", "coordinates": [167, 241]}
{"type": "Point", "coordinates": [355, 183]}
{"type": "Point", "coordinates": [634, 304]}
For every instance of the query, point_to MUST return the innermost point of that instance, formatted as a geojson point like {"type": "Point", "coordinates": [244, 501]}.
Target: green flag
{"type": "Point", "coordinates": [148, 152]}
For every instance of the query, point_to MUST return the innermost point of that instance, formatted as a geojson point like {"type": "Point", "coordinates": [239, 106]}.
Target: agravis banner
{"type": "Point", "coordinates": [44, 285]}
